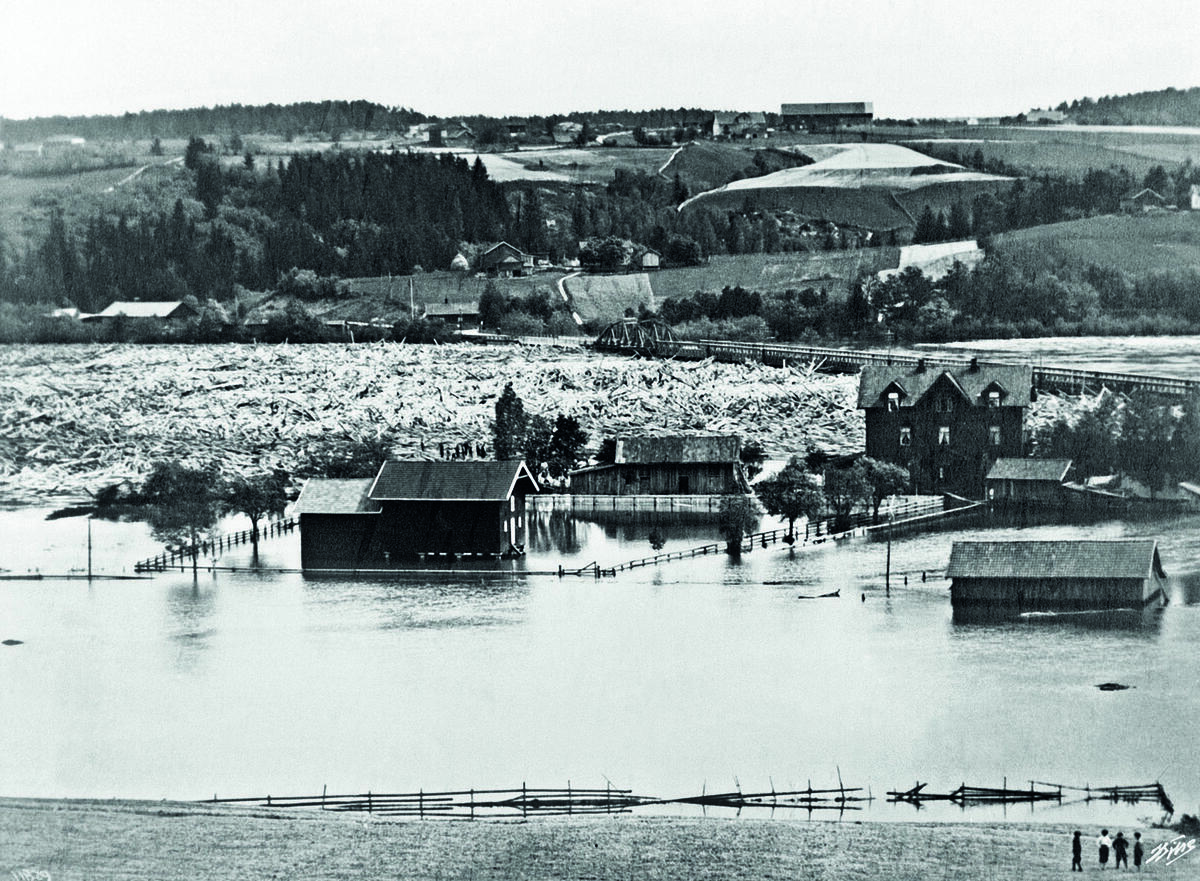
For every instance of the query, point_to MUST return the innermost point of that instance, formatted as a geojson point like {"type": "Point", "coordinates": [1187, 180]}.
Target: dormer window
{"type": "Point", "coordinates": [993, 398]}
{"type": "Point", "coordinates": [994, 435]}
{"type": "Point", "coordinates": [893, 402]}
{"type": "Point", "coordinates": [943, 405]}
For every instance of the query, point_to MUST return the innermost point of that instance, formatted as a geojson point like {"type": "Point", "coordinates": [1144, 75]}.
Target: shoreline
{"type": "Point", "coordinates": [166, 840]}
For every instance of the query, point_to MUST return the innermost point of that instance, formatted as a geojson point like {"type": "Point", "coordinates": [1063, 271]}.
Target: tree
{"type": "Point", "coordinates": [156, 148]}
{"type": "Point", "coordinates": [792, 493]}
{"type": "Point", "coordinates": [753, 455]}
{"type": "Point", "coordinates": [493, 305]}
{"type": "Point", "coordinates": [846, 489]}
{"type": "Point", "coordinates": [257, 497]}
{"type": "Point", "coordinates": [566, 445]}
{"type": "Point", "coordinates": [737, 518]}
{"type": "Point", "coordinates": [1146, 439]}
{"type": "Point", "coordinates": [508, 429]}
{"type": "Point", "coordinates": [185, 504]}
{"type": "Point", "coordinates": [885, 479]}
{"type": "Point", "coordinates": [539, 434]}
{"type": "Point", "coordinates": [210, 186]}
{"type": "Point", "coordinates": [194, 153]}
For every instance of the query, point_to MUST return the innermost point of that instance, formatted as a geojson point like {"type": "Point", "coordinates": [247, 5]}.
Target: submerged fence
{"type": "Point", "coordinates": [183, 558]}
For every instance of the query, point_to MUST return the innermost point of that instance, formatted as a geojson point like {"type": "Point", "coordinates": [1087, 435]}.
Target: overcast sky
{"type": "Point", "coordinates": [911, 57]}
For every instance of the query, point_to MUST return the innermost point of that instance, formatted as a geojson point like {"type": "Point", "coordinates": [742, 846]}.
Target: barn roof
{"type": "Point", "coordinates": [1029, 469]}
{"type": "Point", "coordinates": [419, 480]}
{"type": "Point", "coordinates": [136, 309]}
{"type": "Point", "coordinates": [1123, 558]}
{"type": "Point", "coordinates": [322, 495]}
{"type": "Point", "coordinates": [1015, 381]}
{"type": "Point", "coordinates": [826, 109]}
{"type": "Point", "coordinates": [690, 449]}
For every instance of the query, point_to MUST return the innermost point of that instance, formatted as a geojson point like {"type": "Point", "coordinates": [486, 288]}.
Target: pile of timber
{"type": "Point", "coordinates": [74, 419]}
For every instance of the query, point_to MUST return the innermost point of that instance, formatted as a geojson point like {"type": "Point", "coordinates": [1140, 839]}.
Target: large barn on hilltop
{"type": "Point", "coordinates": [816, 117]}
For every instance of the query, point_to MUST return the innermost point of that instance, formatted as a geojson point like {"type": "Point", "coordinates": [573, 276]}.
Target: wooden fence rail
{"type": "Point", "coordinates": [183, 557]}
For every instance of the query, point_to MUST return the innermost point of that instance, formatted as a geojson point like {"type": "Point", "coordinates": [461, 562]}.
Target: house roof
{"type": "Point", "coordinates": [142, 310]}
{"type": "Point", "coordinates": [688, 449]}
{"type": "Point", "coordinates": [1014, 380]}
{"type": "Point", "coordinates": [1029, 469]}
{"type": "Point", "coordinates": [322, 495]}
{"type": "Point", "coordinates": [1125, 558]}
{"type": "Point", "coordinates": [419, 480]}
{"type": "Point", "coordinates": [1145, 195]}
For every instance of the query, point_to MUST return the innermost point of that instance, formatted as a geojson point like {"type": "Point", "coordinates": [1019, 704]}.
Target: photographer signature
{"type": "Point", "coordinates": [1169, 851]}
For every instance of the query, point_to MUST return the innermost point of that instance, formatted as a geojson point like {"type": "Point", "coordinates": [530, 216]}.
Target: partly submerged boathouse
{"type": "Point", "coordinates": [1027, 576]}
{"type": "Point", "coordinates": [699, 463]}
{"type": "Point", "coordinates": [413, 509]}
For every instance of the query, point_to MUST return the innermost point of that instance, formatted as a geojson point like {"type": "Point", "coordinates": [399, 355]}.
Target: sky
{"type": "Point", "coordinates": [523, 57]}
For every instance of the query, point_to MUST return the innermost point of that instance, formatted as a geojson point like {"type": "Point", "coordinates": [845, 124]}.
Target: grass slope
{"type": "Point", "coordinates": [1137, 244]}
{"type": "Point", "coordinates": [175, 841]}
{"type": "Point", "coordinates": [774, 273]}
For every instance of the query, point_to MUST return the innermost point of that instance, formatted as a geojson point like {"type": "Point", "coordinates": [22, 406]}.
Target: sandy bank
{"type": "Point", "coordinates": [172, 840]}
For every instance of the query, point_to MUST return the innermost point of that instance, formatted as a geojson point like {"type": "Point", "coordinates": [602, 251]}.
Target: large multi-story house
{"type": "Point", "coordinates": [946, 425]}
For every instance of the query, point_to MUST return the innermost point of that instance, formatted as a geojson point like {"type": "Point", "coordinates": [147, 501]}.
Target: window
{"type": "Point", "coordinates": [994, 435]}
{"type": "Point", "coordinates": [893, 402]}
{"type": "Point", "coordinates": [993, 399]}
{"type": "Point", "coordinates": [944, 436]}
{"type": "Point", "coordinates": [906, 437]}
{"type": "Point", "coordinates": [943, 405]}
{"type": "Point", "coordinates": [941, 474]}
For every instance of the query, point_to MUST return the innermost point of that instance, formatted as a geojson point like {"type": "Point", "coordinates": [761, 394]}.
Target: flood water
{"type": "Point", "coordinates": [1175, 356]}
{"type": "Point", "coordinates": [696, 675]}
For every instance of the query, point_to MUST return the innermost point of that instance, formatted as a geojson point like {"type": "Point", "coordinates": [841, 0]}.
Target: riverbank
{"type": "Point", "coordinates": [173, 841]}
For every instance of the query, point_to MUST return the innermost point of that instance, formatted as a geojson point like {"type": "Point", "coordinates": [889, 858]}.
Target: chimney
{"type": "Point", "coordinates": [974, 368]}
{"type": "Point", "coordinates": [920, 365]}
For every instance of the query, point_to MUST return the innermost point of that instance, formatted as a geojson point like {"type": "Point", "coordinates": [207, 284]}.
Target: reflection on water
{"type": "Point", "coordinates": [669, 679]}
{"type": "Point", "coordinates": [1143, 621]}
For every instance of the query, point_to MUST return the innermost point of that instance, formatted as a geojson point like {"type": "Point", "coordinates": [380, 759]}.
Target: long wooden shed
{"type": "Point", "coordinates": [1028, 576]}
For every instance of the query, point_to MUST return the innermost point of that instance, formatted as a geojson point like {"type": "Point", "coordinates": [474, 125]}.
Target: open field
{"type": "Point", "coordinates": [582, 166]}
{"type": "Point", "coordinates": [1138, 244]}
{"type": "Point", "coordinates": [774, 272]}
{"type": "Point", "coordinates": [174, 841]}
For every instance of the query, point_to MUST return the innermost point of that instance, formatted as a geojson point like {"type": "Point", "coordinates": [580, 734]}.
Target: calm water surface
{"type": "Point", "coordinates": [696, 674]}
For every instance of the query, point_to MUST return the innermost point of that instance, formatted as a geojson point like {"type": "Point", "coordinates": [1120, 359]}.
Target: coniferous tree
{"type": "Point", "coordinates": [508, 429]}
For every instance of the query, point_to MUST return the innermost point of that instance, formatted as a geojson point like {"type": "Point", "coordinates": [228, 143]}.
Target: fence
{"type": "Point", "coordinates": [184, 557]}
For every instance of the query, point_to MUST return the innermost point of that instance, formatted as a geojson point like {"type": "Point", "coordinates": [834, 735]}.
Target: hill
{"type": "Point", "coordinates": [878, 187]}
{"type": "Point", "coordinates": [706, 165]}
{"type": "Point", "coordinates": [1137, 245]}
{"type": "Point", "coordinates": [1163, 107]}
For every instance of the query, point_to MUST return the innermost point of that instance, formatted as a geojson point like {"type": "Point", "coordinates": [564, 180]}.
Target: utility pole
{"type": "Point", "coordinates": [89, 522]}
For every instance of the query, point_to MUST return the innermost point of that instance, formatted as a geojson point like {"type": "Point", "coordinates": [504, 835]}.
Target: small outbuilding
{"type": "Point", "coordinates": [1027, 480]}
{"type": "Point", "coordinates": [505, 261]}
{"type": "Point", "coordinates": [682, 464]}
{"type": "Point", "coordinates": [1030, 576]}
{"type": "Point", "coordinates": [413, 509]}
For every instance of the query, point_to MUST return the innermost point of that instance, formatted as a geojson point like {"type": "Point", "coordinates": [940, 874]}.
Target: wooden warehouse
{"type": "Point", "coordinates": [681, 464]}
{"type": "Point", "coordinates": [414, 509]}
{"type": "Point", "coordinates": [1033, 576]}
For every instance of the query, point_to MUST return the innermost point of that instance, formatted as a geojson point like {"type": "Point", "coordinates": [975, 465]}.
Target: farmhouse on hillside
{"type": "Point", "coordinates": [505, 261]}
{"type": "Point", "coordinates": [1035, 576]}
{"type": "Point", "coordinates": [945, 425]}
{"type": "Point", "coordinates": [1142, 201]}
{"type": "Point", "coordinates": [826, 117]}
{"type": "Point", "coordinates": [680, 464]}
{"type": "Point", "coordinates": [1027, 480]}
{"type": "Point", "coordinates": [412, 509]}
{"type": "Point", "coordinates": [461, 314]}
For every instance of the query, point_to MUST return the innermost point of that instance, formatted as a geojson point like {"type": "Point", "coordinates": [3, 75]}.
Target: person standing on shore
{"type": "Point", "coordinates": [1076, 853]}
{"type": "Point", "coordinates": [1120, 851]}
{"type": "Point", "coordinates": [1138, 853]}
{"type": "Point", "coordinates": [1105, 843]}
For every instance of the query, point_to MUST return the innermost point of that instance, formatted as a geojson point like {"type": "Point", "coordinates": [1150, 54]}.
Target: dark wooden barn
{"type": "Point", "coordinates": [946, 426]}
{"type": "Point", "coordinates": [414, 509]}
{"type": "Point", "coordinates": [1029, 576]}
{"type": "Point", "coordinates": [681, 464]}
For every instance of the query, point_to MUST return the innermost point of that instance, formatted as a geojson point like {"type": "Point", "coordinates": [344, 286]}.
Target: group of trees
{"type": "Point", "coordinates": [552, 449]}
{"type": "Point", "coordinates": [797, 491]}
{"type": "Point", "coordinates": [1144, 436]}
{"type": "Point", "coordinates": [183, 503]}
